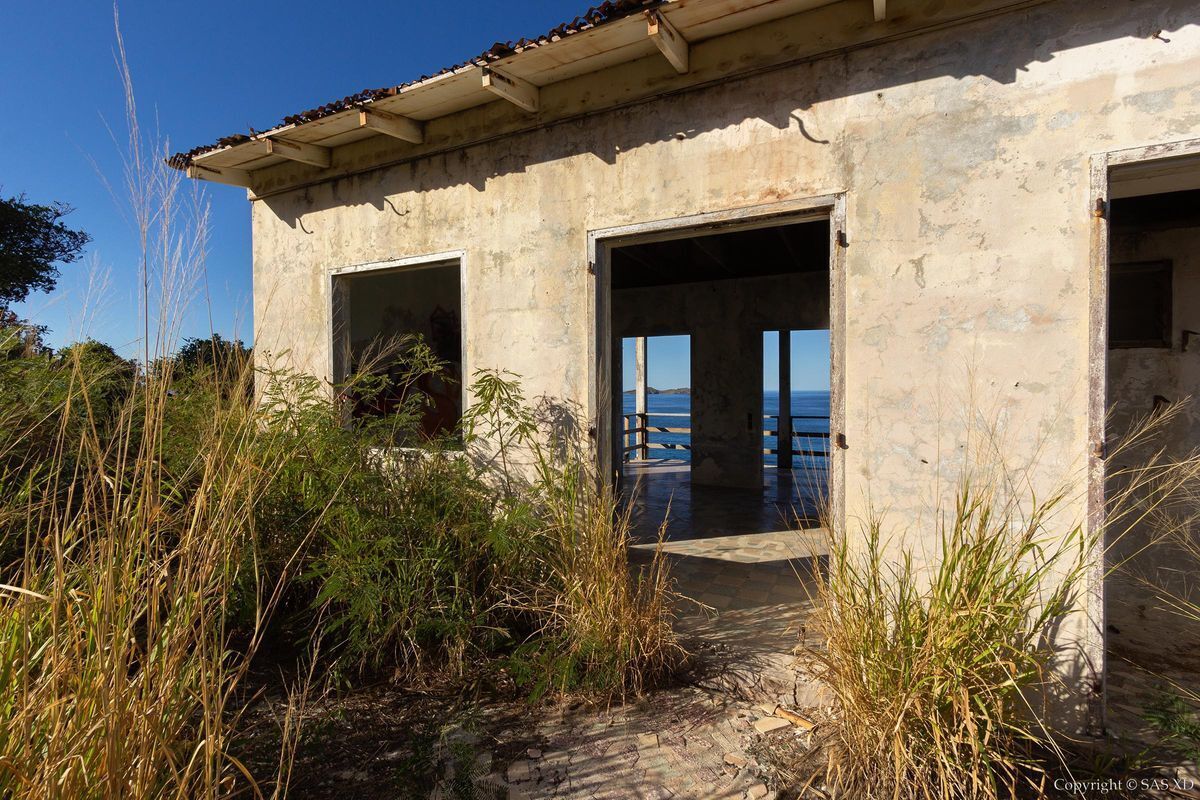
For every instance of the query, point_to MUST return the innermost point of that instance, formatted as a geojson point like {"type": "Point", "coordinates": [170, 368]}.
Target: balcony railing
{"type": "Point", "coordinates": [639, 436]}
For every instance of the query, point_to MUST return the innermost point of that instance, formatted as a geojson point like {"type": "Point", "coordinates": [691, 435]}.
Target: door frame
{"type": "Point", "coordinates": [600, 243]}
{"type": "Point", "coordinates": [1150, 167]}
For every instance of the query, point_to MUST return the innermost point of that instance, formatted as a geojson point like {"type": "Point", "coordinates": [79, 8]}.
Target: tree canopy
{"type": "Point", "coordinates": [208, 353]}
{"type": "Point", "coordinates": [33, 240]}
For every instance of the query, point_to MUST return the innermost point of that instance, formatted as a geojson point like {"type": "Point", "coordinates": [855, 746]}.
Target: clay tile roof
{"type": "Point", "coordinates": [608, 11]}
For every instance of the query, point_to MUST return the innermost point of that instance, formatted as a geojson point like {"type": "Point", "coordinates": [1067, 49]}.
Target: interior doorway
{"type": "Point", "coordinates": [709, 457]}
{"type": "Point", "coordinates": [1151, 352]}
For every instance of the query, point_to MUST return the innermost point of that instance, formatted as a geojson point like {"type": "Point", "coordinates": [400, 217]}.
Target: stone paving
{"type": "Point", "coordinates": [749, 599]}
{"type": "Point", "coordinates": [747, 596]}
{"type": "Point", "coordinates": [745, 572]}
{"type": "Point", "coordinates": [685, 743]}
{"type": "Point", "coordinates": [746, 601]}
{"type": "Point", "coordinates": [697, 741]}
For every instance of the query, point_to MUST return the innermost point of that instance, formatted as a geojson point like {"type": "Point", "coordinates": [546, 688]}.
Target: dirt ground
{"type": "Point", "coordinates": [716, 733]}
{"type": "Point", "coordinates": [689, 741]}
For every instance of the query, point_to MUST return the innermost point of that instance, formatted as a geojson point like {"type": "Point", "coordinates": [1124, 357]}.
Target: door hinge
{"type": "Point", "coordinates": [591, 268]}
{"type": "Point", "coordinates": [842, 240]}
{"type": "Point", "coordinates": [840, 441]}
{"type": "Point", "coordinates": [1100, 211]}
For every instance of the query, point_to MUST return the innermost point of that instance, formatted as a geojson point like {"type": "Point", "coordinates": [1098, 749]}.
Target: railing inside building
{"type": "Point", "coordinates": [643, 433]}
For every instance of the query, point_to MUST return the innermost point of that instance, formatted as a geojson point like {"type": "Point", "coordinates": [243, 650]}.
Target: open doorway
{"type": "Point", "coordinates": [1152, 364]}
{"type": "Point", "coordinates": [718, 290]}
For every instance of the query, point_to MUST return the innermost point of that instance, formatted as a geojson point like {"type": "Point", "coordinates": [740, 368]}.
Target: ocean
{"type": "Point", "coordinates": [804, 403]}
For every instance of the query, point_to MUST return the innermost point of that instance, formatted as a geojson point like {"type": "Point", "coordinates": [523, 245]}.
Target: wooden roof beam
{"type": "Point", "coordinates": [298, 151]}
{"type": "Point", "coordinates": [226, 175]}
{"type": "Point", "coordinates": [394, 125]}
{"type": "Point", "coordinates": [669, 40]}
{"type": "Point", "coordinates": [713, 251]}
{"type": "Point", "coordinates": [515, 90]}
{"type": "Point", "coordinates": [880, 9]}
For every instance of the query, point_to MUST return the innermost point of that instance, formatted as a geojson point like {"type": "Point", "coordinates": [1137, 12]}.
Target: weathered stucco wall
{"type": "Point", "coordinates": [963, 156]}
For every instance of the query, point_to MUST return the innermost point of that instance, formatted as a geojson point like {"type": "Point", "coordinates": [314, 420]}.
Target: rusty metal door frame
{"type": "Point", "coordinates": [601, 241]}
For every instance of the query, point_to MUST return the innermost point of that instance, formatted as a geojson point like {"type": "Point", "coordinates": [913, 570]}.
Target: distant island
{"type": "Point", "coordinates": [652, 390]}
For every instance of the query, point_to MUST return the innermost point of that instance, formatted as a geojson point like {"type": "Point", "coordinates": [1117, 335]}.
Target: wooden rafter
{"type": "Point", "coordinates": [394, 125]}
{"type": "Point", "coordinates": [786, 239]}
{"type": "Point", "coordinates": [312, 154]}
{"type": "Point", "coordinates": [880, 9]}
{"type": "Point", "coordinates": [227, 175]}
{"type": "Point", "coordinates": [668, 40]}
{"type": "Point", "coordinates": [712, 251]}
{"type": "Point", "coordinates": [515, 90]}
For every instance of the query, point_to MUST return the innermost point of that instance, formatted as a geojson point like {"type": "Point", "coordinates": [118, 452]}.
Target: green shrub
{"type": "Point", "coordinates": [158, 525]}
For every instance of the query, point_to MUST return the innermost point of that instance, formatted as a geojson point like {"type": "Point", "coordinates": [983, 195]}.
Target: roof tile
{"type": "Point", "coordinates": [608, 11]}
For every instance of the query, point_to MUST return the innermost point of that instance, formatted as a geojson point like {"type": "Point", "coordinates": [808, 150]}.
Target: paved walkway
{"type": "Point", "coordinates": [686, 743]}
{"type": "Point", "coordinates": [744, 568]}
{"type": "Point", "coordinates": [747, 583]}
{"type": "Point", "coordinates": [748, 599]}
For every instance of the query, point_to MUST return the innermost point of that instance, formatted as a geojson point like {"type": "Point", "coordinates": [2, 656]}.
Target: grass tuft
{"type": "Point", "coordinates": [939, 675]}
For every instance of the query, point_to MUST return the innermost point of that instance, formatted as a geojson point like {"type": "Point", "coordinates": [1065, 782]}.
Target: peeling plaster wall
{"type": "Point", "coordinates": [963, 156]}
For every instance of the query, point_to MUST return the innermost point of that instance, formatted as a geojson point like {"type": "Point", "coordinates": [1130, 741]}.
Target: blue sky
{"type": "Point", "coordinates": [200, 71]}
{"type": "Point", "coordinates": [667, 361]}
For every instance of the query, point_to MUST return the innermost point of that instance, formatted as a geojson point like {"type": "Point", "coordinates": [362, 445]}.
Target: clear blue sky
{"type": "Point", "coordinates": [668, 361]}
{"type": "Point", "coordinates": [200, 71]}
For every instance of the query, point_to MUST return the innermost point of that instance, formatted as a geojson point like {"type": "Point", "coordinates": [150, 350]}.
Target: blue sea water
{"type": "Point", "coordinates": [804, 404]}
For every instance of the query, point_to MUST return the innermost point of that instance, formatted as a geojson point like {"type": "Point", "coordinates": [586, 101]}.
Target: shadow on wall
{"type": "Point", "coordinates": [997, 49]}
{"type": "Point", "coordinates": [561, 423]}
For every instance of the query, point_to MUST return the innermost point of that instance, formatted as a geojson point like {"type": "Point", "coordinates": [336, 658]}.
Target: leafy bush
{"type": "Point", "coordinates": [430, 561]}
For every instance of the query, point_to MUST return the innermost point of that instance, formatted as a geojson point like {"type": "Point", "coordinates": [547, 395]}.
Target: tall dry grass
{"type": "Point", "coordinates": [160, 528]}
{"type": "Point", "coordinates": [120, 668]}
{"type": "Point", "coordinates": [155, 527]}
{"type": "Point", "coordinates": [119, 673]}
{"type": "Point", "coordinates": [936, 673]}
{"type": "Point", "coordinates": [601, 626]}
{"type": "Point", "coordinates": [942, 674]}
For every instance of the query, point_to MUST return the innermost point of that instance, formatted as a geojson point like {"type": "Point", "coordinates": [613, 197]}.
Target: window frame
{"type": "Point", "coordinates": [1149, 267]}
{"type": "Point", "coordinates": [337, 329]}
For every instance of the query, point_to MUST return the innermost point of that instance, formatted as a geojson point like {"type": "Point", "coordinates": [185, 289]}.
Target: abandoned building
{"type": "Point", "coordinates": [993, 208]}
